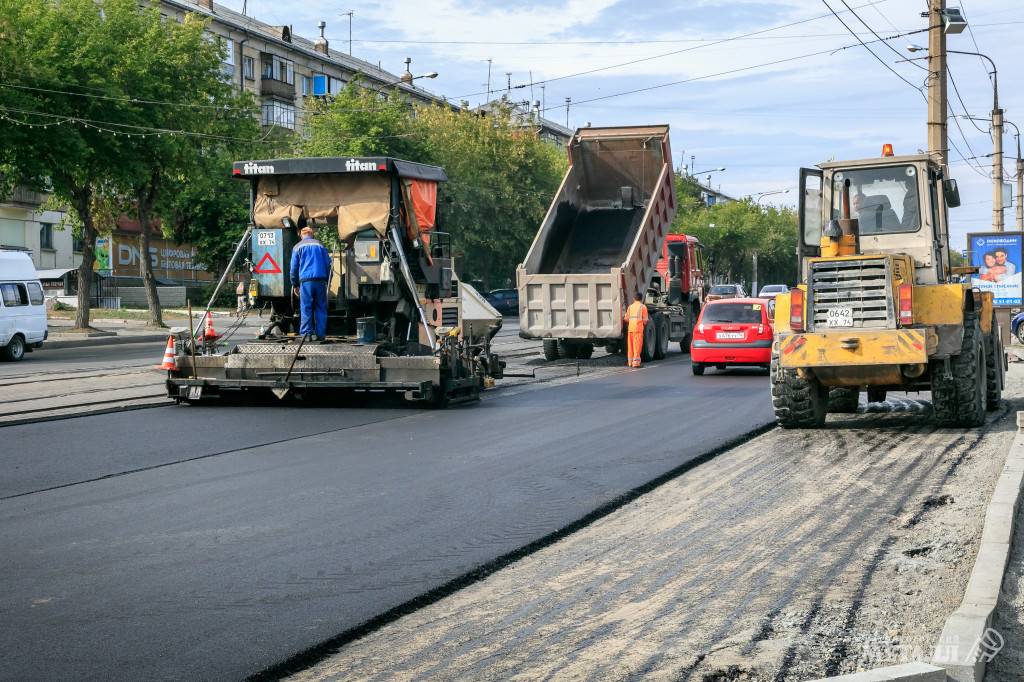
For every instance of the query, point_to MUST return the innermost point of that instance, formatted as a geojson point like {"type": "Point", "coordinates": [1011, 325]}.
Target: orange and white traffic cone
{"type": "Point", "coordinates": [170, 364]}
{"type": "Point", "coordinates": [208, 333]}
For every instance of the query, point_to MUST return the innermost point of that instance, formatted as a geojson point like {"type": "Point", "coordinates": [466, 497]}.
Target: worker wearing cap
{"type": "Point", "coordinates": [311, 268]}
{"type": "Point", "coordinates": [636, 315]}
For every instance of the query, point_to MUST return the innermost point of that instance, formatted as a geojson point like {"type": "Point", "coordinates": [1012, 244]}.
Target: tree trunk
{"type": "Point", "coordinates": [145, 198]}
{"type": "Point", "coordinates": [83, 205]}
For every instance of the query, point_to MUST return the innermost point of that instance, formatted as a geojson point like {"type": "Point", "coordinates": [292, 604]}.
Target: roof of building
{"type": "Point", "coordinates": [55, 274]}
{"type": "Point", "coordinates": [522, 112]}
{"type": "Point", "coordinates": [274, 34]}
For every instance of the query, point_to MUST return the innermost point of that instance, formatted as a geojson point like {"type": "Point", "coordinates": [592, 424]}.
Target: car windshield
{"type": "Point", "coordinates": [773, 289]}
{"type": "Point", "coordinates": [884, 200]}
{"type": "Point", "coordinates": [728, 289]}
{"type": "Point", "coordinates": [748, 313]}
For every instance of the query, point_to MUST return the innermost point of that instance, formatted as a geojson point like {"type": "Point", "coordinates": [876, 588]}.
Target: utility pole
{"type": "Point", "coordinates": [568, 102]}
{"type": "Point", "coordinates": [753, 288]}
{"type": "Point", "coordinates": [349, 15]}
{"type": "Point", "coordinates": [1020, 179]}
{"type": "Point", "coordinates": [997, 166]}
{"type": "Point", "coordinates": [938, 140]}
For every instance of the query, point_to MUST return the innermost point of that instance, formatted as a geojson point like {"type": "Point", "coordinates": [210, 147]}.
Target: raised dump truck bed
{"type": "Point", "coordinates": [600, 243]}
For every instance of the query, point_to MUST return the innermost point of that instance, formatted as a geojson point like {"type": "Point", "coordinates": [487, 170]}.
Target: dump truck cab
{"type": "Point", "coordinates": [878, 306]}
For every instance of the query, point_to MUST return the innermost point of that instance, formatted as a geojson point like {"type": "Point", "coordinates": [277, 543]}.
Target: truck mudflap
{"type": "Point", "coordinates": [856, 348]}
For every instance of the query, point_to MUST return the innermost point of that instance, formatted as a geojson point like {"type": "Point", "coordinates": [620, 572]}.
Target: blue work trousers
{"type": "Point", "coordinates": [313, 308]}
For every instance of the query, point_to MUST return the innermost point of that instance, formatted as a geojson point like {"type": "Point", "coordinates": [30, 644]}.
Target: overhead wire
{"type": "Point", "coordinates": [874, 33]}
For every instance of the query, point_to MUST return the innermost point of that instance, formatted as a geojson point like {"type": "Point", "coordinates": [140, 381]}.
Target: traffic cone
{"type": "Point", "coordinates": [170, 364]}
{"type": "Point", "coordinates": [209, 332]}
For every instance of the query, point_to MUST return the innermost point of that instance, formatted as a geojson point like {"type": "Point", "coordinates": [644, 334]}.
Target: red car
{"type": "Point", "coordinates": [732, 331]}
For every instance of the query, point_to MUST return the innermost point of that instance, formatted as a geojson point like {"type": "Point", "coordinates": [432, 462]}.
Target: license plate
{"type": "Point", "coordinates": [730, 335]}
{"type": "Point", "coordinates": [195, 392]}
{"type": "Point", "coordinates": [840, 317]}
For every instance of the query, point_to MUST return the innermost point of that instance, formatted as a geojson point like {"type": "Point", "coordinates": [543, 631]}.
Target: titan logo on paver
{"type": "Point", "coordinates": [253, 168]}
{"type": "Point", "coordinates": [355, 165]}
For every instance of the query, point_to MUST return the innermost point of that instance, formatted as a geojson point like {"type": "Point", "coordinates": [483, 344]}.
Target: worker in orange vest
{"type": "Point", "coordinates": [636, 316]}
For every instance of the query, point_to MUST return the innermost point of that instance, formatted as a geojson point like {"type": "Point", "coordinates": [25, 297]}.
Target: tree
{"type": "Point", "coordinates": [63, 98]}
{"type": "Point", "coordinates": [740, 229]}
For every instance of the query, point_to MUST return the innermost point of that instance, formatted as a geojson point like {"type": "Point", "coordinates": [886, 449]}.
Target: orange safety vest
{"type": "Point", "coordinates": [636, 315]}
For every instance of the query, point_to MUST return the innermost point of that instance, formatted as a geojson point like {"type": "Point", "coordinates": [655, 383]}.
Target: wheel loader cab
{"type": "Point", "coordinates": [878, 306]}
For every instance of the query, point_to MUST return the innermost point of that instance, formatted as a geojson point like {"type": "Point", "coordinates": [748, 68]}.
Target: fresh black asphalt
{"type": "Point", "coordinates": [213, 542]}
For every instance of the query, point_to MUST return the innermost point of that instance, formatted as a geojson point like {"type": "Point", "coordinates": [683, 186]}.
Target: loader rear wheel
{"type": "Point", "coordinates": [550, 349]}
{"type": "Point", "coordinates": [959, 399]}
{"type": "Point", "coordinates": [843, 400]}
{"type": "Point", "coordinates": [799, 403]}
{"type": "Point", "coordinates": [993, 368]}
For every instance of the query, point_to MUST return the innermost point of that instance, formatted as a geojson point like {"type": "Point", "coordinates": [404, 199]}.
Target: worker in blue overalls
{"type": "Point", "coordinates": [311, 268]}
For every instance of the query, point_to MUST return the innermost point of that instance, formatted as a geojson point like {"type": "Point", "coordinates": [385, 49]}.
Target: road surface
{"type": "Point", "coordinates": [213, 542]}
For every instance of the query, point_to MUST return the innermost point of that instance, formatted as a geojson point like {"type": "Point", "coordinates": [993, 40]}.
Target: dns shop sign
{"type": "Point", "coordinates": [181, 259]}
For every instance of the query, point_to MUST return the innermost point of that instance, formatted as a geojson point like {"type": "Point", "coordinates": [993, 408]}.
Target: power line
{"type": "Point", "coordinates": [970, 31]}
{"type": "Point", "coordinates": [669, 54]}
{"type": "Point", "coordinates": [890, 47]}
{"type": "Point", "coordinates": [128, 99]}
{"type": "Point", "coordinates": [956, 90]}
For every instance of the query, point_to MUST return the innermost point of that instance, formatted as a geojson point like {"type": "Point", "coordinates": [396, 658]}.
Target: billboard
{"type": "Point", "coordinates": [998, 257]}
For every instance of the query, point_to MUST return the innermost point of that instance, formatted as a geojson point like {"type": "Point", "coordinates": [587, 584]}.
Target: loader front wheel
{"type": "Point", "coordinates": [993, 368]}
{"type": "Point", "coordinates": [959, 399]}
{"type": "Point", "coordinates": [799, 403]}
{"type": "Point", "coordinates": [843, 400]}
{"type": "Point", "coordinates": [550, 349]}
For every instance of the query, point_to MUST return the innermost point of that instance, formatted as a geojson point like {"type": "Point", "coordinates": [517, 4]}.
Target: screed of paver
{"type": "Point", "coordinates": [758, 563]}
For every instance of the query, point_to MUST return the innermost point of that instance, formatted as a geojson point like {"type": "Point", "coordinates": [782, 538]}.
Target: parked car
{"type": "Point", "coordinates": [770, 291]}
{"type": "Point", "coordinates": [505, 301]}
{"type": "Point", "coordinates": [1017, 326]}
{"type": "Point", "coordinates": [22, 306]}
{"type": "Point", "coordinates": [732, 332]}
{"type": "Point", "coordinates": [720, 291]}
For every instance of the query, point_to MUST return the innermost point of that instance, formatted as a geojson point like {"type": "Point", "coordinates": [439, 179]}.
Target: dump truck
{"type": "Point", "coordinates": [601, 242]}
{"type": "Point", "coordinates": [398, 318]}
{"type": "Point", "coordinates": [879, 307]}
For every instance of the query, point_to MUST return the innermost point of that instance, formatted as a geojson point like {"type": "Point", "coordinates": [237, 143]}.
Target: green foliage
{"type": "Point", "coordinates": [741, 228]}
{"type": "Point", "coordinates": [501, 176]}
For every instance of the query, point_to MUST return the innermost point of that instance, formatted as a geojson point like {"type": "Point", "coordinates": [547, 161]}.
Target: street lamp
{"type": "Point", "coordinates": [762, 195]}
{"type": "Point", "coordinates": [997, 137]}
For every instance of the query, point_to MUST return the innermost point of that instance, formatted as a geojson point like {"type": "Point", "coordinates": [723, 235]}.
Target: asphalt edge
{"type": "Point", "coordinates": [318, 652]}
{"type": "Point", "coordinates": [967, 641]}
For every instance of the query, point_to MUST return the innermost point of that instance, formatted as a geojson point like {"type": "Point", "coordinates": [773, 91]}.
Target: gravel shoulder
{"type": "Point", "coordinates": [793, 556]}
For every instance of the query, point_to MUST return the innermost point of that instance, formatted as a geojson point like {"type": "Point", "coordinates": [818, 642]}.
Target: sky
{"type": "Point", "coordinates": [794, 94]}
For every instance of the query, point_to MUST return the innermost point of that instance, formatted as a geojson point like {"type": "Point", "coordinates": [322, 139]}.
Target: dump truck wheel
{"type": "Point", "coordinates": [684, 345]}
{"type": "Point", "coordinates": [993, 365]}
{"type": "Point", "coordinates": [550, 349]}
{"type": "Point", "coordinates": [960, 400]}
{"type": "Point", "coordinates": [698, 369]}
{"type": "Point", "coordinates": [661, 346]}
{"type": "Point", "coordinates": [798, 403]}
{"type": "Point", "coordinates": [876, 395]}
{"type": "Point", "coordinates": [566, 350]}
{"type": "Point", "coordinates": [843, 400]}
{"type": "Point", "coordinates": [647, 353]}
{"type": "Point", "coordinates": [584, 351]}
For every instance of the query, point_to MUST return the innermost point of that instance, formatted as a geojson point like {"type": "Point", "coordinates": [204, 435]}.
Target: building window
{"type": "Point", "coordinates": [280, 114]}
{"type": "Point", "coordinates": [229, 50]}
{"type": "Point", "coordinates": [46, 236]}
{"type": "Point", "coordinates": [335, 85]}
{"type": "Point", "coordinates": [278, 69]}
{"type": "Point", "coordinates": [249, 68]}
{"type": "Point", "coordinates": [77, 244]}
{"type": "Point", "coordinates": [307, 86]}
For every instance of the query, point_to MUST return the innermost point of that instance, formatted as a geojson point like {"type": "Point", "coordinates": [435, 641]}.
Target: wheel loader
{"type": "Point", "coordinates": [879, 307]}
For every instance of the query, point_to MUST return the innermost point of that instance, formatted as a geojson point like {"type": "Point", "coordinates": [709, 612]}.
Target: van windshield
{"type": "Point", "coordinates": [884, 200]}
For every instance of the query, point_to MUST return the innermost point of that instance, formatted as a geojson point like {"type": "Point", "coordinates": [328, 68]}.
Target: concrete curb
{"type": "Point", "coordinates": [967, 641]}
{"type": "Point", "coordinates": [87, 341]}
{"type": "Point", "coordinates": [907, 672]}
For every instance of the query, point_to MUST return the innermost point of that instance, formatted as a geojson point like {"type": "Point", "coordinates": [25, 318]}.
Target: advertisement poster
{"type": "Point", "coordinates": [997, 255]}
{"type": "Point", "coordinates": [102, 263]}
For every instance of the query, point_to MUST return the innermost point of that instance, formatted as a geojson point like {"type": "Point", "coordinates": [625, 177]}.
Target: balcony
{"type": "Point", "coordinates": [271, 87]}
{"type": "Point", "coordinates": [22, 196]}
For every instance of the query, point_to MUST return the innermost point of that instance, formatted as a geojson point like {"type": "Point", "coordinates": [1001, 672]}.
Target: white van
{"type": "Point", "coordinates": [22, 306]}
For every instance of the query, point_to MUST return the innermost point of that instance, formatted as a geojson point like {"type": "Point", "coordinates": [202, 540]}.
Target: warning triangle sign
{"type": "Point", "coordinates": [267, 266]}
